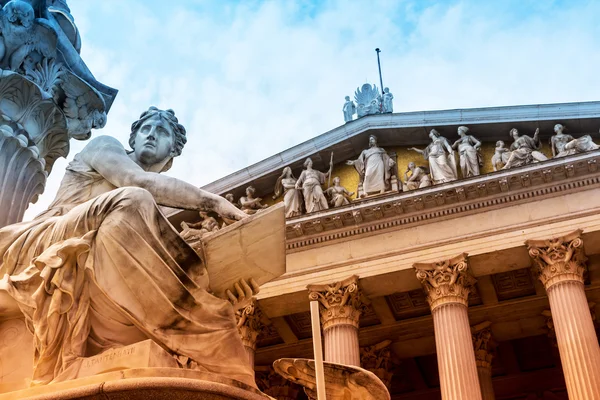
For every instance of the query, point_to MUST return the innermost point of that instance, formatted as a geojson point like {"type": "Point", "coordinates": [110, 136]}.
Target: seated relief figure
{"type": "Point", "coordinates": [468, 151]}
{"type": "Point", "coordinates": [524, 150]}
{"type": "Point", "coordinates": [375, 169]}
{"type": "Point", "coordinates": [501, 156]}
{"type": "Point", "coordinates": [103, 268]}
{"type": "Point", "coordinates": [565, 145]}
{"type": "Point", "coordinates": [250, 204]}
{"type": "Point", "coordinates": [193, 233]}
{"type": "Point", "coordinates": [440, 155]}
{"type": "Point", "coordinates": [419, 177]}
{"type": "Point", "coordinates": [292, 198]}
{"type": "Point", "coordinates": [338, 195]}
{"type": "Point", "coordinates": [310, 182]}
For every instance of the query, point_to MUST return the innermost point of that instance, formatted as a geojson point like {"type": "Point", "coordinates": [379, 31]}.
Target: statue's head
{"type": "Point", "coordinates": [411, 165]}
{"type": "Point", "coordinates": [336, 181]}
{"type": "Point", "coordinates": [19, 13]}
{"type": "Point", "coordinates": [558, 128]}
{"type": "Point", "coordinates": [250, 191]}
{"type": "Point", "coordinates": [514, 133]}
{"type": "Point", "coordinates": [462, 130]}
{"type": "Point", "coordinates": [229, 197]}
{"type": "Point", "coordinates": [156, 137]}
{"type": "Point", "coordinates": [308, 163]}
{"type": "Point", "coordinates": [347, 98]}
{"type": "Point", "coordinates": [386, 90]}
{"type": "Point", "coordinates": [499, 144]}
{"type": "Point", "coordinates": [372, 140]}
{"type": "Point", "coordinates": [433, 134]}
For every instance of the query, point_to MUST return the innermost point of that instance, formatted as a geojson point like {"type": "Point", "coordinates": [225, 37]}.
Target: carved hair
{"type": "Point", "coordinates": [463, 128]}
{"type": "Point", "coordinates": [279, 185]}
{"type": "Point", "coordinates": [306, 162]}
{"type": "Point", "coordinates": [513, 130]}
{"type": "Point", "coordinates": [435, 133]}
{"type": "Point", "coordinates": [374, 137]}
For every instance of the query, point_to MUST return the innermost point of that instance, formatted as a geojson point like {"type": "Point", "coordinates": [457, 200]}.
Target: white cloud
{"type": "Point", "coordinates": [249, 80]}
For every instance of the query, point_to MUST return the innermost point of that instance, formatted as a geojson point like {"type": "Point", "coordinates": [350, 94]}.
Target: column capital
{"type": "Point", "coordinates": [340, 302]}
{"type": "Point", "coordinates": [378, 360]}
{"type": "Point", "coordinates": [559, 259]}
{"type": "Point", "coordinates": [446, 281]}
{"type": "Point", "coordinates": [250, 322]}
{"type": "Point", "coordinates": [483, 344]}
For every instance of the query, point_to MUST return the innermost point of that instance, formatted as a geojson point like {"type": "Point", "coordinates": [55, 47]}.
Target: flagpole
{"type": "Point", "coordinates": [380, 78]}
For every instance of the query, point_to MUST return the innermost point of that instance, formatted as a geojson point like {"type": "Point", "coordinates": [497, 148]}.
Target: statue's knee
{"type": "Point", "coordinates": [136, 197]}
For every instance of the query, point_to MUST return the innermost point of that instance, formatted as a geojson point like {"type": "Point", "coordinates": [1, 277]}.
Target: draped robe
{"type": "Point", "coordinates": [374, 165]}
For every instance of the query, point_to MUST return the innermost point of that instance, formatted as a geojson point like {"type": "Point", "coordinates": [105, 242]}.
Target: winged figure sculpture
{"type": "Point", "coordinates": [368, 99]}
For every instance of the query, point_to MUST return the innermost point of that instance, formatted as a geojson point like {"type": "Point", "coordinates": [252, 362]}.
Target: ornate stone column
{"type": "Point", "coordinates": [250, 322]}
{"type": "Point", "coordinates": [341, 304]}
{"type": "Point", "coordinates": [448, 284]}
{"type": "Point", "coordinates": [560, 264]}
{"type": "Point", "coordinates": [483, 344]}
{"type": "Point", "coordinates": [378, 360]}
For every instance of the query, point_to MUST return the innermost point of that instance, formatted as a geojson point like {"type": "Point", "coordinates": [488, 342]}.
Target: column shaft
{"type": "Point", "coordinates": [577, 340]}
{"type": "Point", "coordinates": [341, 345]}
{"type": "Point", "coordinates": [456, 359]}
{"type": "Point", "coordinates": [485, 382]}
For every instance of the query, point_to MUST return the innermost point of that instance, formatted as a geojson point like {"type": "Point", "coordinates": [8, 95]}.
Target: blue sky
{"type": "Point", "coordinates": [251, 78]}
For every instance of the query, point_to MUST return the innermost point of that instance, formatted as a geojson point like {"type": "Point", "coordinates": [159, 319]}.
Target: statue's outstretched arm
{"type": "Point", "coordinates": [108, 157]}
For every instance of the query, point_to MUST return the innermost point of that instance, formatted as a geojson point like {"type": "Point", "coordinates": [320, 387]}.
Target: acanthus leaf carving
{"type": "Point", "coordinates": [483, 344]}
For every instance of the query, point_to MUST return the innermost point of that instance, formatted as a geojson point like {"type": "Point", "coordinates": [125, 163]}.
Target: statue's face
{"type": "Point", "coordinates": [558, 128]}
{"type": "Point", "coordinates": [154, 141]}
{"type": "Point", "coordinates": [336, 181]}
{"type": "Point", "coordinates": [372, 141]}
{"type": "Point", "coordinates": [515, 134]}
{"type": "Point", "coordinates": [411, 165]}
{"type": "Point", "coordinates": [249, 192]}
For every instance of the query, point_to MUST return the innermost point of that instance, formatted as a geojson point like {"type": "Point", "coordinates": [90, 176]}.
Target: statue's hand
{"type": "Point", "coordinates": [349, 162]}
{"type": "Point", "coordinates": [229, 212]}
{"type": "Point", "coordinates": [244, 291]}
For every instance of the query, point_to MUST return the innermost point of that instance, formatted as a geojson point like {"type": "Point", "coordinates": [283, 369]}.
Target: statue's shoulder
{"type": "Point", "coordinates": [103, 142]}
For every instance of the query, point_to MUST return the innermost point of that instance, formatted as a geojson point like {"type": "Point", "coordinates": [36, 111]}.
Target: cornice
{"type": "Point", "coordinates": [450, 200]}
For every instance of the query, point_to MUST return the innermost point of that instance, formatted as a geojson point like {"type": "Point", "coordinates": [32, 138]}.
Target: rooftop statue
{"type": "Point", "coordinates": [388, 105]}
{"type": "Point", "coordinates": [349, 109]}
{"type": "Point", "coordinates": [49, 96]}
{"type": "Point", "coordinates": [468, 150]}
{"type": "Point", "coordinates": [375, 169]}
{"type": "Point", "coordinates": [103, 255]}
{"type": "Point", "coordinates": [292, 197]}
{"type": "Point", "coordinates": [501, 156]}
{"type": "Point", "coordinates": [310, 182]}
{"type": "Point", "coordinates": [440, 155]}
{"type": "Point", "coordinates": [338, 195]}
{"type": "Point", "coordinates": [419, 177]}
{"type": "Point", "coordinates": [250, 204]}
{"type": "Point", "coordinates": [565, 145]}
{"type": "Point", "coordinates": [524, 150]}
{"type": "Point", "coordinates": [368, 99]}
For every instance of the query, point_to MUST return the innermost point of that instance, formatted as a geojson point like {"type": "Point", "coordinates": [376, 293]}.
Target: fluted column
{"type": "Point", "coordinates": [448, 284]}
{"type": "Point", "coordinates": [340, 305]}
{"type": "Point", "coordinates": [560, 264]}
{"type": "Point", "coordinates": [378, 360]}
{"type": "Point", "coordinates": [250, 322]}
{"type": "Point", "coordinates": [482, 343]}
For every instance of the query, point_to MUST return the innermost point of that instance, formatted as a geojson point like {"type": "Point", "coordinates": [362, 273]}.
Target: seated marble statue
{"type": "Point", "coordinates": [250, 204]}
{"type": "Point", "coordinates": [501, 156]}
{"type": "Point", "coordinates": [565, 145]}
{"type": "Point", "coordinates": [524, 150]}
{"type": "Point", "coordinates": [103, 268]}
{"type": "Point", "coordinates": [338, 195]}
{"type": "Point", "coordinates": [419, 177]}
{"type": "Point", "coordinates": [193, 233]}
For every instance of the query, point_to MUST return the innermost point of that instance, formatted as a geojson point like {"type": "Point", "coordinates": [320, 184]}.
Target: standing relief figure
{"type": "Point", "coordinates": [349, 109]}
{"type": "Point", "coordinates": [292, 198]}
{"type": "Point", "coordinates": [501, 155]}
{"type": "Point", "coordinates": [374, 166]}
{"type": "Point", "coordinates": [524, 150]}
{"type": "Point", "coordinates": [565, 145]}
{"type": "Point", "coordinates": [440, 155]}
{"type": "Point", "coordinates": [310, 182]}
{"type": "Point", "coordinates": [339, 195]}
{"type": "Point", "coordinates": [468, 151]}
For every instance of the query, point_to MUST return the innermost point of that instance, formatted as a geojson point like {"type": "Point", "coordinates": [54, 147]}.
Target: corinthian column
{"type": "Point", "coordinates": [340, 304]}
{"type": "Point", "coordinates": [250, 322]}
{"type": "Point", "coordinates": [448, 284]}
{"type": "Point", "coordinates": [482, 342]}
{"type": "Point", "coordinates": [560, 264]}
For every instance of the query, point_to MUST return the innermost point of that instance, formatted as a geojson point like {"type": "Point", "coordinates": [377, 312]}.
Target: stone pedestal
{"type": "Point", "coordinates": [482, 343]}
{"type": "Point", "coordinates": [250, 322]}
{"type": "Point", "coordinates": [341, 305]}
{"type": "Point", "coordinates": [560, 264]}
{"type": "Point", "coordinates": [448, 284]}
